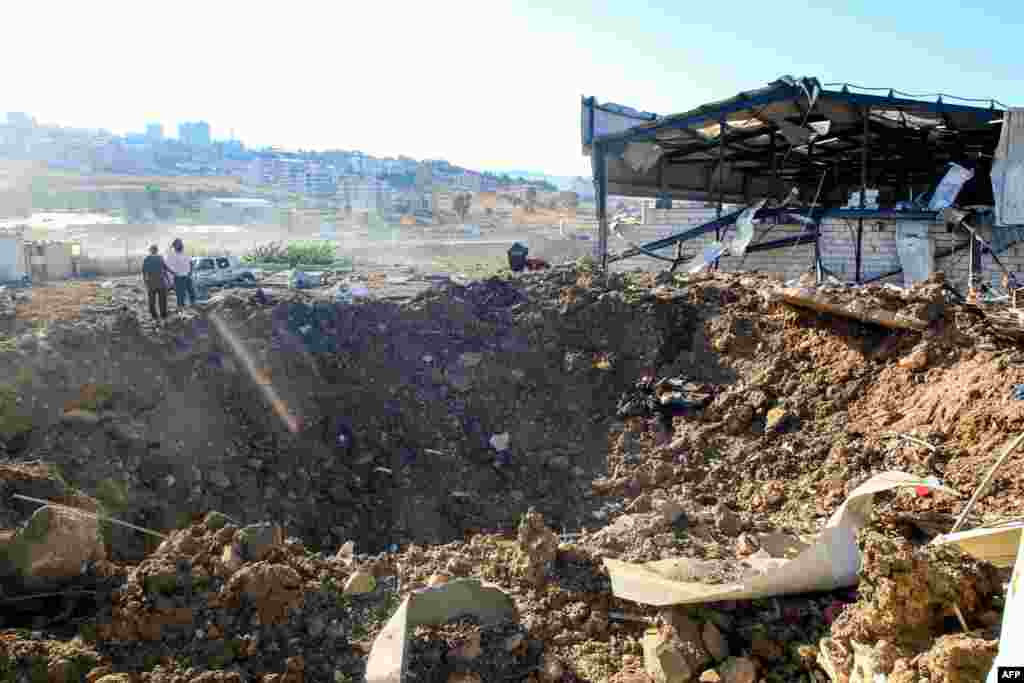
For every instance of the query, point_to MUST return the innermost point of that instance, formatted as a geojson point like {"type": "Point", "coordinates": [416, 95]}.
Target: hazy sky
{"type": "Point", "coordinates": [483, 84]}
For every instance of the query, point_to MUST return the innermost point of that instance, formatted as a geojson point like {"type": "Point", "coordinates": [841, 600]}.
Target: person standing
{"type": "Point", "coordinates": [153, 270]}
{"type": "Point", "coordinates": [181, 265]}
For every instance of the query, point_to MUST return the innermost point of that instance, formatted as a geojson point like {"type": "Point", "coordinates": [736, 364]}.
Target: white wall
{"type": "Point", "coordinates": [12, 258]}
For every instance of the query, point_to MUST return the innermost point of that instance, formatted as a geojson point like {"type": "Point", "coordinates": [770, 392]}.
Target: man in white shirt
{"type": "Point", "coordinates": [179, 263]}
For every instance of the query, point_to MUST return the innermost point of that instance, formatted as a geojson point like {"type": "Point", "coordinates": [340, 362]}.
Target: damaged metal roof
{"type": "Point", "coordinates": [791, 132]}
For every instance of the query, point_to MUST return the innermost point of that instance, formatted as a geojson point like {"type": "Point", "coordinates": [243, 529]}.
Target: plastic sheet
{"type": "Point", "coordinates": [1011, 640]}
{"type": "Point", "coordinates": [1008, 170]}
{"type": "Point", "coordinates": [390, 654]}
{"type": "Point", "coordinates": [711, 252]}
{"type": "Point", "coordinates": [831, 562]}
{"type": "Point", "coordinates": [745, 229]}
{"type": "Point", "coordinates": [950, 186]}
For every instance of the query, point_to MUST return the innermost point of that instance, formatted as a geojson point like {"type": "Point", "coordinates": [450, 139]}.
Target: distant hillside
{"type": "Point", "coordinates": [562, 182]}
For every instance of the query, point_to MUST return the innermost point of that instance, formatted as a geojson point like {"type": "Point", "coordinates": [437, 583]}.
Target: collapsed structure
{"type": "Point", "coordinates": [855, 182]}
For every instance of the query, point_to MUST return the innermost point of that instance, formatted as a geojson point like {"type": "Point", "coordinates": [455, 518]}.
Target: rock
{"type": "Point", "coordinates": [346, 553]}
{"type": "Point", "coordinates": [714, 641]}
{"type": "Point", "coordinates": [470, 648]}
{"type": "Point", "coordinates": [98, 673]}
{"type": "Point", "coordinates": [537, 549]}
{"type": "Point", "coordinates": [670, 511]}
{"type": "Point", "coordinates": [316, 627]}
{"type": "Point", "coordinates": [467, 677]}
{"type": "Point", "coordinates": [514, 642]}
{"type": "Point", "coordinates": [551, 668]}
{"type": "Point", "coordinates": [959, 658]}
{"type": "Point", "coordinates": [219, 479]}
{"type": "Point", "coordinates": [259, 539]}
{"type": "Point", "coordinates": [767, 649]}
{"type": "Point", "coordinates": [360, 583]}
{"type": "Point", "coordinates": [726, 521]}
{"type": "Point", "coordinates": [561, 463]}
{"type": "Point", "coordinates": [115, 678]}
{"type": "Point", "coordinates": [231, 558]}
{"type": "Point", "coordinates": [916, 361]}
{"type": "Point", "coordinates": [215, 520]}
{"type": "Point", "coordinates": [738, 419]}
{"type": "Point", "coordinates": [60, 671]}
{"type": "Point", "coordinates": [663, 660]}
{"type": "Point", "coordinates": [746, 545]}
{"type": "Point", "coordinates": [471, 359]}
{"type": "Point", "coordinates": [83, 418]}
{"type": "Point", "coordinates": [690, 639]}
{"type": "Point", "coordinates": [437, 579]}
{"type": "Point", "coordinates": [738, 670]}
{"type": "Point", "coordinates": [274, 589]}
{"type": "Point", "coordinates": [51, 549]}
{"type": "Point", "coordinates": [776, 420]}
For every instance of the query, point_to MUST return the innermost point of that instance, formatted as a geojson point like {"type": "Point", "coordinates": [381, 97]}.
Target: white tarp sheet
{"type": "Point", "coordinates": [949, 187]}
{"type": "Point", "coordinates": [1011, 638]}
{"type": "Point", "coordinates": [916, 252]}
{"type": "Point", "coordinates": [831, 562]}
{"type": "Point", "coordinates": [1008, 170]}
{"type": "Point", "coordinates": [745, 229]}
{"type": "Point", "coordinates": [704, 259]}
{"type": "Point", "coordinates": [997, 545]}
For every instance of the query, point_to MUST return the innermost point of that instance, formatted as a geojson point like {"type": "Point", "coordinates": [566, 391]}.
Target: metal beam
{"type": "Point", "coordinates": [601, 190]}
{"type": "Point", "coordinates": [704, 114]}
{"type": "Point", "coordinates": [692, 233]}
{"type": "Point", "coordinates": [863, 190]}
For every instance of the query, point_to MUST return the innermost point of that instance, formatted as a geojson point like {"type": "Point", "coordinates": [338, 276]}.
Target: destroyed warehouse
{"type": "Point", "coordinates": [856, 182]}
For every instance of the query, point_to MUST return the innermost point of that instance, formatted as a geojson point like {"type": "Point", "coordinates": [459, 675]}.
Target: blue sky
{"type": "Point", "coordinates": [485, 85]}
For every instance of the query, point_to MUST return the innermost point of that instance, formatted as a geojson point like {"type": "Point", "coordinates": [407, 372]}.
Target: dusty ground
{"type": "Point", "coordinates": [161, 425]}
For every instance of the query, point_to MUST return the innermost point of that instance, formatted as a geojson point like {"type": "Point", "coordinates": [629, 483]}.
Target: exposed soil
{"type": "Point", "coordinates": [237, 406]}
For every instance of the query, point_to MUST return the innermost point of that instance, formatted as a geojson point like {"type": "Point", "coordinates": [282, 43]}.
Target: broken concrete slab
{"type": "Point", "coordinates": [808, 298]}
{"type": "Point", "coordinates": [433, 606]}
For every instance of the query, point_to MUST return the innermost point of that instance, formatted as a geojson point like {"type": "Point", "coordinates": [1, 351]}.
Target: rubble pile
{"type": "Point", "coordinates": [471, 431]}
{"type": "Point", "coordinates": [923, 614]}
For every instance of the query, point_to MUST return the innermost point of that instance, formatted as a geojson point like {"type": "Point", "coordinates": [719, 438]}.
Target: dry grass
{"type": "Point", "coordinates": [14, 174]}
{"type": "Point", "coordinates": [60, 302]}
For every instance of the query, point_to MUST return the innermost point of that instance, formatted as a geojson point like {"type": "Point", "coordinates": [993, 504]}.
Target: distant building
{"type": "Point", "coordinates": [488, 183]}
{"type": "Point", "coordinates": [368, 194]}
{"type": "Point", "coordinates": [154, 132]}
{"type": "Point", "coordinates": [319, 180]}
{"type": "Point", "coordinates": [468, 180]}
{"type": "Point", "coordinates": [195, 133]}
{"type": "Point", "coordinates": [424, 177]}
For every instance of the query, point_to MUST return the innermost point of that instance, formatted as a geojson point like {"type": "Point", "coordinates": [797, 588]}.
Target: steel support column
{"type": "Point", "coordinates": [721, 180]}
{"type": "Point", "coordinates": [601, 190]}
{"type": "Point", "coordinates": [863, 192]}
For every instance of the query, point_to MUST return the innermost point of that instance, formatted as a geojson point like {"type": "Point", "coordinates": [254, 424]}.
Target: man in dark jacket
{"type": "Point", "coordinates": [153, 271]}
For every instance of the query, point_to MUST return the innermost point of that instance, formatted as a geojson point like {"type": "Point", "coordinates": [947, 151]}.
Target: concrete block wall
{"type": "Point", "coordinates": [878, 248]}
{"type": "Point", "coordinates": [838, 246]}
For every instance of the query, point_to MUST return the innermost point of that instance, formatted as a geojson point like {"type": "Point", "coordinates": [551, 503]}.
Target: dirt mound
{"type": "Point", "coordinates": [426, 431]}
{"type": "Point", "coordinates": [913, 605]}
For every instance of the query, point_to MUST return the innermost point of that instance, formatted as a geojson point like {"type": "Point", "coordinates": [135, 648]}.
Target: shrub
{"type": "Point", "coordinates": [313, 253]}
